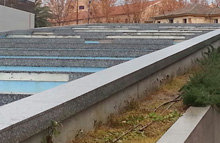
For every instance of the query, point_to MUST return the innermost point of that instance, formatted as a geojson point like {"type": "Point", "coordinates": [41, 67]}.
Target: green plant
{"type": "Point", "coordinates": [204, 87]}
{"type": "Point", "coordinates": [157, 117]}
{"type": "Point", "coordinates": [52, 131]}
{"type": "Point", "coordinates": [42, 14]}
{"type": "Point", "coordinates": [134, 119]}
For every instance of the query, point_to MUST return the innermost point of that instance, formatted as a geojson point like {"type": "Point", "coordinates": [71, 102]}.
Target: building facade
{"type": "Point", "coordinates": [16, 15]}
{"type": "Point", "coordinates": [191, 14]}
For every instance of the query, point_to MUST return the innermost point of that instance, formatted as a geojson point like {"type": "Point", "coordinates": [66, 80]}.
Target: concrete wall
{"type": "Point", "coordinates": [82, 103]}
{"type": "Point", "coordinates": [98, 113]}
{"type": "Point", "coordinates": [197, 125]}
{"type": "Point", "coordinates": [193, 19]}
{"type": "Point", "coordinates": [13, 19]}
{"type": "Point", "coordinates": [212, 20]}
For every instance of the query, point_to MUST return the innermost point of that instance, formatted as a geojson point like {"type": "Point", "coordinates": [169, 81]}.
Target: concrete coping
{"type": "Point", "coordinates": [184, 126]}
{"type": "Point", "coordinates": [134, 31]}
{"type": "Point", "coordinates": [40, 36]}
{"type": "Point", "coordinates": [24, 118]}
{"type": "Point", "coordinates": [146, 37]}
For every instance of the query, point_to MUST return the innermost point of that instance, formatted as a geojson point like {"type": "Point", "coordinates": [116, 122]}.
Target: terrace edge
{"type": "Point", "coordinates": [93, 98]}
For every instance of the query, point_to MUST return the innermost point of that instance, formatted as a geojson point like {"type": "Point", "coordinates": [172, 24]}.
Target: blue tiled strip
{"type": "Point", "coordinates": [49, 69]}
{"type": "Point", "coordinates": [26, 86]}
{"type": "Point", "coordinates": [65, 58]}
{"type": "Point", "coordinates": [92, 42]}
{"type": "Point", "coordinates": [2, 36]}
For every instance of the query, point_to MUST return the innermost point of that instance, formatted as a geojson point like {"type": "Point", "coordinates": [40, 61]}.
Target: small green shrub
{"type": "Point", "coordinates": [204, 87]}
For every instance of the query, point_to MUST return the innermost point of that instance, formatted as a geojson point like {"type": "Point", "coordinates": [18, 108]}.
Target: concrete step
{"type": "Point", "coordinates": [15, 80]}
{"type": "Point", "coordinates": [8, 98]}
{"type": "Point", "coordinates": [42, 75]}
{"type": "Point", "coordinates": [144, 41]}
{"type": "Point", "coordinates": [69, 70]}
{"type": "Point", "coordinates": [41, 40]}
{"type": "Point", "coordinates": [26, 87]}
{"type": "Point", "coordinates": [99, 46]}
{"type": "Point", "coordinates": [113, 30]}
{"type": "Point", "coordinates": [75, 53]}
{"type": "Point", "coordinates": [44, 36]}
{"type": "Point", "coordinates": [59, 61]}
{"type": "Point", "coordinates": [147, 37]}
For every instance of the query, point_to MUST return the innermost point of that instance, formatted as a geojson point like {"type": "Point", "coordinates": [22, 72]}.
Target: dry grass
{"type": "Point", "coordinates": [142, 113]}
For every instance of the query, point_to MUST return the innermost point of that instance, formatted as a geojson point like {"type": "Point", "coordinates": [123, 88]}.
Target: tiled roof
{"type": "Point", "coordinates": [196, 10]}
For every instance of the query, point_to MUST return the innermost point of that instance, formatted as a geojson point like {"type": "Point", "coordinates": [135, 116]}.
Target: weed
{"type": "Point", "coordinates": [52, 131]}
{"type": "Point", "coordinates": [171, 116]}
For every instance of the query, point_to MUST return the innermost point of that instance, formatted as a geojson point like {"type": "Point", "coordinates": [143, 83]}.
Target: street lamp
{"type": "Point", "coordinates": [77, 12]}
{"type": "Point", "coordinates": [90, 1]}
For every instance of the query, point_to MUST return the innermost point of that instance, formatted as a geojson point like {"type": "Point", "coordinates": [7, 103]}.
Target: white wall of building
{"type": "Point", "coordinates": [14, 19]}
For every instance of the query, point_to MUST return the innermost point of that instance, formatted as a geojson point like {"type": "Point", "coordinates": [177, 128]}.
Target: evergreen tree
{"type": "Point", "coordinates": [42, 14]}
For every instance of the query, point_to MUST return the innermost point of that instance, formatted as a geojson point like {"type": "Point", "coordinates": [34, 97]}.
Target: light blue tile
{"type": "Point", "coordinates": [49, 69]}
{"type": "Point", "coordinates": [66, 58]}
{"type": "Point", "coordinates": [26, 86]}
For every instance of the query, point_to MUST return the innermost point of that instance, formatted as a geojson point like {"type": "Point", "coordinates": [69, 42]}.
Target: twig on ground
{"type": "Point", "coordinates": [146, 126]}
{"type": "Point", "coordinates": [169, 106]}
{"type": "Point", "coordinates": [124, 134]}
{"type": "Point", "coordinates": [173, 100]}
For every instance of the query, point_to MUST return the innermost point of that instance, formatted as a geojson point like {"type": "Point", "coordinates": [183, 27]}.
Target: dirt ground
{"type": "Point", "coordinates": [142, 121]}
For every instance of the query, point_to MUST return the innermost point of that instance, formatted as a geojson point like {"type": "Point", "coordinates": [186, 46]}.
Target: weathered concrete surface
{"type": "Point", "coordinates": [76, 53]}
{"type": "Point", "coordinates": [8, 98]}
{"type": "Point", "coordinates": [197, 125]}
{"type": "Point", "coordinates": [100, 111]}
{"type": "Point", "coordinates": [40, 62]}
{"type": "Point", "coordinates": [13, 19]}
{"type": "Point", "coordinates": [34, 76]}
{"type": "Point", "coordinates": [117, 85]}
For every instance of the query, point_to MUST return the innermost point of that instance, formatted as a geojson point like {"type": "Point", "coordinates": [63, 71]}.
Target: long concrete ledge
{"type": "Point", "coordinates": [197, 125]}
{"type": "Point", "coordinates": [82, 103]}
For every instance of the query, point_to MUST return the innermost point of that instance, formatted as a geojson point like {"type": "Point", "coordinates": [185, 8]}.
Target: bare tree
{"type": "Point", "coordinates": [127, 10]}
{"type": "Point", "coordinates": [170, 5]}
{"type": "Point", "coordinates": [202, 2]}
{"type": "Point", "coordinates": [134, 9]}
{"type": "Point", "coordinates": [216, 3]}
{"type": "Point", "coordinates": [95, 11]}
{"type": "Point", "coordinates": [102, 8]}
{"type": "Point", "coordinates": [60, 9]}
{"type": "Point", "coordinates": [139, 6]}
{"type": "Point", "coordinates": [106, 6]}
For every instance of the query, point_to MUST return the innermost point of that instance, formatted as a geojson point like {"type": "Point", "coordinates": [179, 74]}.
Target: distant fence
{"type": "Point", "coordinates": [82, 103]}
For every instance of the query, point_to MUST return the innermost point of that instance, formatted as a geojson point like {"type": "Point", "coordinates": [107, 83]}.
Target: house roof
{"type": "Point", "coordinates": [192, 10]}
